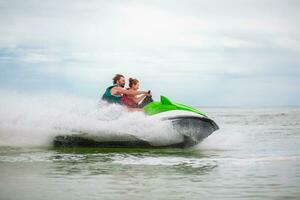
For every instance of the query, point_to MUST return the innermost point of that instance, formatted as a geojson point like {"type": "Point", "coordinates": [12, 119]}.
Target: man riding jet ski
{"type": "Point", "coordinates": [130, 97]}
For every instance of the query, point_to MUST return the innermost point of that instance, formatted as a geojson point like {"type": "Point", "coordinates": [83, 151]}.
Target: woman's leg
{"type": "Point", "coordinates": [146, 101]}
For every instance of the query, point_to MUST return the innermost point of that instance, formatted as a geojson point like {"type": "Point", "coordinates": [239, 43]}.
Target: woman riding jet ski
{"type": "Point", "coordinates": [189, 125]}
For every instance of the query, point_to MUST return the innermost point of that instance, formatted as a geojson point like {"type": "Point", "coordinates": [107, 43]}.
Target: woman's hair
{"type": "Point", "coordinates": [133, 81]}
{"type": "Point", "coordinates": [117, 77]}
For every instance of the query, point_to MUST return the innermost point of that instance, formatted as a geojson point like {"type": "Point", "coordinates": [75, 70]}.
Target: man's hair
{"type": "Point", "coordinates": [117, 77]}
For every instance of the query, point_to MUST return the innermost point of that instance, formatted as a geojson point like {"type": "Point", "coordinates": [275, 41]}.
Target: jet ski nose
{"type": "Point", "coordinates": [193, 129]}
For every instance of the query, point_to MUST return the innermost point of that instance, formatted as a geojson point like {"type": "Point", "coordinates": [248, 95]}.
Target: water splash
{"type": "Point", "coordinates": [33, 120]}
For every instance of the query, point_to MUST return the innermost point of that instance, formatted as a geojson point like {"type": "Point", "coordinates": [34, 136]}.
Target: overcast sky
{"type": "Point", "coordinates": [201, 52]}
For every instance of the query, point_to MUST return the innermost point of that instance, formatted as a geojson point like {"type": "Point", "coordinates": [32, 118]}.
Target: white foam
{"type": "Point", "coordinates": [34, 119]}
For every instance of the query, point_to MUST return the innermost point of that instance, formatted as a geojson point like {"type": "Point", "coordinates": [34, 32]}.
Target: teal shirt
{"type": "Point", "coordinates": [107, 96]}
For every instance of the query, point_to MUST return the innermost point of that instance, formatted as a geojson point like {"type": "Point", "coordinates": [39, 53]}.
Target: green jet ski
{"type": "Point", "coordinates": [189, 126]}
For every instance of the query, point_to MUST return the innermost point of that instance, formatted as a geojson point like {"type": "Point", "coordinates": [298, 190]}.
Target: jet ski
{"type": "Point", "coordinates": [189, 124]}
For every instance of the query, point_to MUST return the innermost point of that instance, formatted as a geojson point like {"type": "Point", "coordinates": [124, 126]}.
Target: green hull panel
{"type": "Point", "coordinates": [166, 105]}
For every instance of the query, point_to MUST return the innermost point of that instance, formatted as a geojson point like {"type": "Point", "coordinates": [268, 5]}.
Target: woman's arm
{"type": "Point", "coordinates": [139, 98]}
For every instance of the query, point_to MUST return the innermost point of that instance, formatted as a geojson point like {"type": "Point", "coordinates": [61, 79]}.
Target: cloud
{"type": "Point", "coordinates": [80, 43]}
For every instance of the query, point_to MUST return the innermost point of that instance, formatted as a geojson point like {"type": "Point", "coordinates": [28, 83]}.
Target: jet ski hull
{"type": "Point", "coordinates": [192, 128]}
{"type": "Point", "coordinates": [79, 140]}
{"type": "Point", "coordinates": [189, 126]}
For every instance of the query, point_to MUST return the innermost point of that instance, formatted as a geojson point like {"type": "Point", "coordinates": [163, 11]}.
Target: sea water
{"type": "Point", "coordinates": [254, 155]}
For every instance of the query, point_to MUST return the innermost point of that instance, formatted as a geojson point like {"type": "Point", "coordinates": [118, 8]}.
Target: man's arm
{"type": "Point", "coordinates": [120, 90]}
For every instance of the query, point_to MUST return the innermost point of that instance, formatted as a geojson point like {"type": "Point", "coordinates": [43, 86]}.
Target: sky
{"type": "Point", "coordinates": [198, 52]}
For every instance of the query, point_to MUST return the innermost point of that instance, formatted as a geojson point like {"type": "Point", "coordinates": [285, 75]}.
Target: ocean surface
{"type": "Point", "coordinates": [254, 155]}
